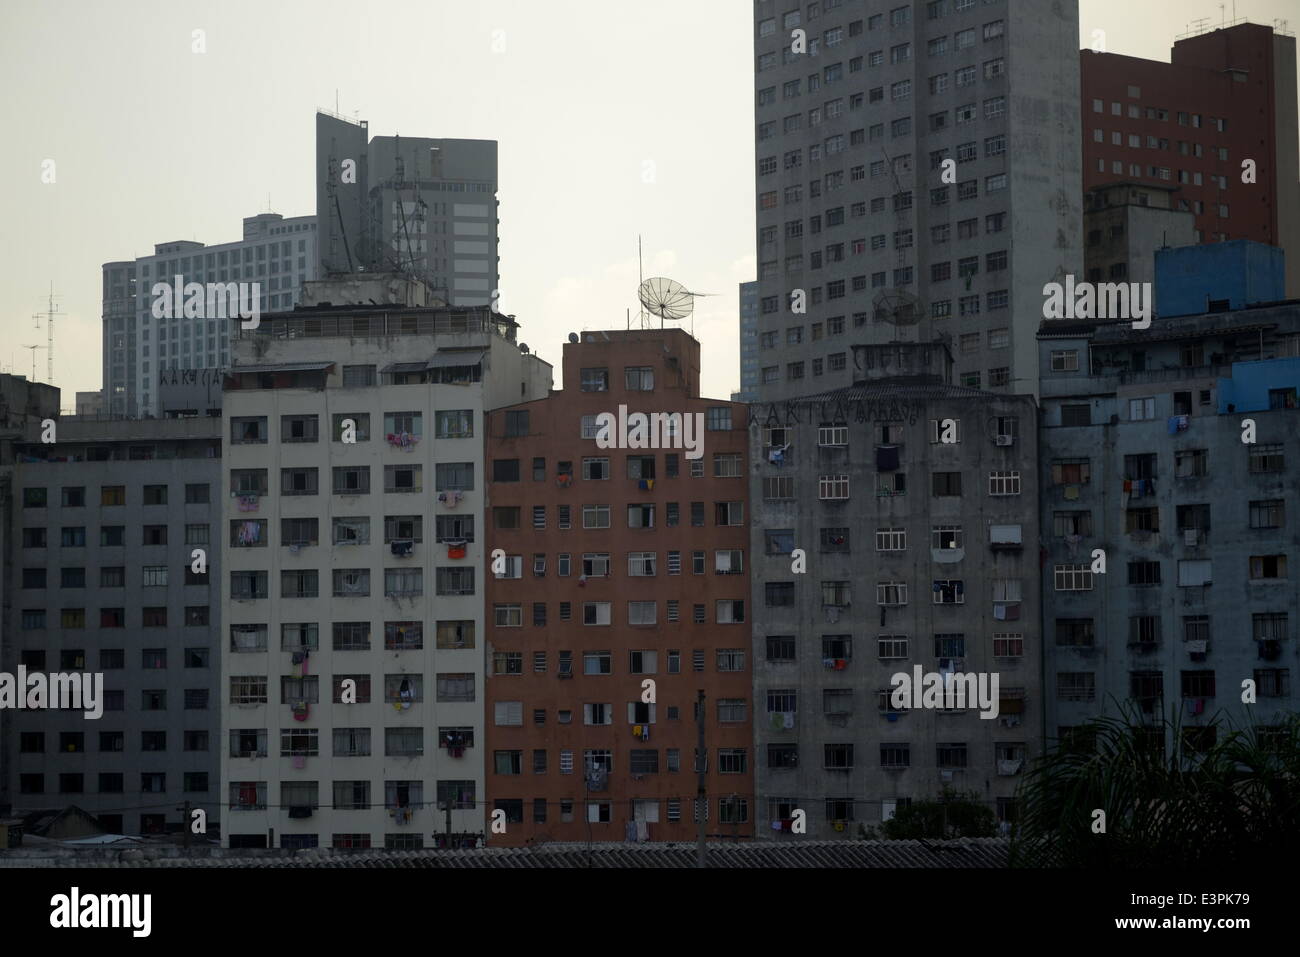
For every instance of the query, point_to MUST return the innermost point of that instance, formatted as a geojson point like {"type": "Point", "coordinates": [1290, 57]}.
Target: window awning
{"type": "Point", "coordinates": [401, 367]}
{"type": "Point", "coordinates": [446, 360]}
{"type": "Point", "coordinates": [284, 367]}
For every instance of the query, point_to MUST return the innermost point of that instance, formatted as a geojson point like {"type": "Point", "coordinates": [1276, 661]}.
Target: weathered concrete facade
{"type": "Point", "coordinates": [1143, 458]}
{"type": "Point", "coordinates": [919, 552]}
{"type": "Point", "coordinates": [918, 176]}
{"type": "Point", "coordinates": [102, 528]}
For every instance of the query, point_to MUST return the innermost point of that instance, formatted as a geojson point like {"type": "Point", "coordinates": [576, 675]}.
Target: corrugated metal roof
{"type": "Point", "coordinates": [285, 367]}
{"type": "Point", "coordinates": [402, 367]}
{"type": "Point", "coordinates": [446, 360]}
{"type": "Point", "coordinates": [777, 854]}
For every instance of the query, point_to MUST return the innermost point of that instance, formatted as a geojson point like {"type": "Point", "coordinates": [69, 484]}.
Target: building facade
{"type": "Point", "coordinates": [100, 578]}
{"type": "Point", "coordinates": [416, 205]}
{"type": "Point", "coordinates": [748, 343]}
{"type": "Point", "coordinates": [353, 533]}
{"type": "Point", "coordinates": [1126, 225]}
{"type": "Point", "coordinates": [138, 348]}
{"type": "Point", "coordinates": [1145, 457]}
{"type": "Point", "coordinates": [622, 593]}
{"type": "Point", "coordinates": [894, 531]}
{"type": "Point", "coordinates": [1226, 96]}
{"type": "Point", "coordinates": [917, 177]}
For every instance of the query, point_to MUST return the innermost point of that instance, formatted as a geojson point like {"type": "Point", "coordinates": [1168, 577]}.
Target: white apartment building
{"type": "Point", "coordinates": [277, 253]}
{"type": "Point", "coordinates": [359, 562]}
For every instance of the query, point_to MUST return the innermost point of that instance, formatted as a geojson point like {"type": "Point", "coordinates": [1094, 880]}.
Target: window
{"type": "Point", "coordinates": [454, 424]}
{"type": "Point", "coordinates": [594, 380]}
{"type": "Point", "coordinates": [833, 487]}
{"type": "Point", "coordinates": [1144, 573]}
{"type": "Point", "coordinates": [1073, 577]}
{"type": "Point", "coordinates": [1141, 409]}
{"type": "Point", "coordinates": [1266, 458]}
{"type": "Point", "coordinates": [1267, 567]}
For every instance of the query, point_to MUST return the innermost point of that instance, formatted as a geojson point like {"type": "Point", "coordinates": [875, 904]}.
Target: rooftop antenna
{"type": "Point", "coordinates": [33, 348]}
{"type": "Point", "coordinates": [51, 311]}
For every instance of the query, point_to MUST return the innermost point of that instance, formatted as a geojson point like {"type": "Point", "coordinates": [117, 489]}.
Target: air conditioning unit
{"type": "Point", "coordinates": [1005, 440]}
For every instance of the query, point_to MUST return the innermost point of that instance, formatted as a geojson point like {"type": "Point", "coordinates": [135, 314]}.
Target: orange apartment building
{"type": "Point", "coordinates": [618, 589]}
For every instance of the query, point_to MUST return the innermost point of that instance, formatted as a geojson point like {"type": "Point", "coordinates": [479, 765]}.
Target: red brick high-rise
{"type": "Point", "coordinates": [1228, 95]}
{"type": "Point", "coordinates": [626, 569]}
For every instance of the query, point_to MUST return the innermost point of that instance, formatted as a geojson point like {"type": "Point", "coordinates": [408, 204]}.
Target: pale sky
{"type": "Point", "coordinates": [588, 99]}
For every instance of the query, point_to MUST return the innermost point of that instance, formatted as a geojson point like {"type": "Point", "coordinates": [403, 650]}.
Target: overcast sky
{"type": "Point", "coordinates": [589, 99]}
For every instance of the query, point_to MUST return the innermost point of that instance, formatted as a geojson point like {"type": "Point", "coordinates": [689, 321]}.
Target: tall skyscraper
{"type": "Point", "coordinates": [917, 177]}
{"type": "Point", "coordinates": [748, 343]}
{"type": "Point", "coordinates": [414, 205]}
{"type": "Point", "coordinates": [1226, 97]}
{"type": "Point", "coordinates": [277, 253]}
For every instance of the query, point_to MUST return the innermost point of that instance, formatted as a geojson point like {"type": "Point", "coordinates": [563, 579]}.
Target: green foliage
{"type": "Point", "coordinates": [953, 815]}
{"type": "Point", "coordinates": [1216, 796]}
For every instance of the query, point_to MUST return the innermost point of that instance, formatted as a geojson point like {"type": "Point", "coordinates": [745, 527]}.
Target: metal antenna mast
{"type": "Point", "coordinates": [33, 348]}
{"type": "Point", "coordinates": [51, 310]}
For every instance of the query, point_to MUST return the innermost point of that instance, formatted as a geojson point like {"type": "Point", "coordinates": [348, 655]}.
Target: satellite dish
{"type": "Point", "coordinates": [666, 299]}
{"type": "Point", "coordinates": [573, 337]}
{"type": "Point", "coordinates": [898, 307]}
{"type": "Point", "coordinates": [523, 347]}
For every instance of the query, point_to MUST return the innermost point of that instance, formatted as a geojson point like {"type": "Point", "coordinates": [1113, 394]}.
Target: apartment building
{"type": "Point", "coordinates": [353, 534]}
{"type": "Point", "coordinates": [23, 404]}
{"type": "Point", "coordinates": [1226, 97]}
{"type": "Point", "coordinates": [422, 206]}
{"type": "Point", "coordinates": [1144, 458]}
{"type": "Point", "coordinates": [1126, 224]}
{"type": "Point", "coordinates": [101, 578]}
{"type": "Point", "coordinates": [918, 176]}
{"type": "Point", "coordinates": [748, 343]}
{"type": "Point", "coordinates": [277, 253]}
{"type": "Point", "coordinates": [622, 593]}
{"type": "Point", "coordinates": [894, 531]}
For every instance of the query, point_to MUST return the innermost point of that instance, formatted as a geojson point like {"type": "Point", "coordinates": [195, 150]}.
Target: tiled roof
{"type": "Point", "coordinates": [978, 852]}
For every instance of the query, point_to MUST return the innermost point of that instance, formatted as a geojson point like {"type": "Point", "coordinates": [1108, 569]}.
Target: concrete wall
{"type": "Point", "coordinates": [1242, 272]}
{"type": "Point", "coordinates": [1104, 666]}
{"type": "Point", "coordinates": [137, 810]}
{"type": "Point", "coordinates": [908, 411]}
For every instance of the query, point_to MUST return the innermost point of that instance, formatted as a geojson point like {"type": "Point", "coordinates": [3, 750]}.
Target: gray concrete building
{"type": "Point", "coordinates": [913, 501]}
{"type": "Point", "coordinates": [1144, 457]}
{"type": "Point", "coordinates": [420, 206]}
{"type": "Point", "coordinates": [23, 406]}
{"type": "Point", "coordinates": [140, 351]}
{"type": "Point", "coordinates": [748, 343]}
{"type": "Point", "coordinates": [100, 528]}
{"type": "Point", "coordinates": [358, 555]}
{"type": "Point", "coordinates": [866, 231]}
{"type": "Point", "coordinates": [1125, 224]}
